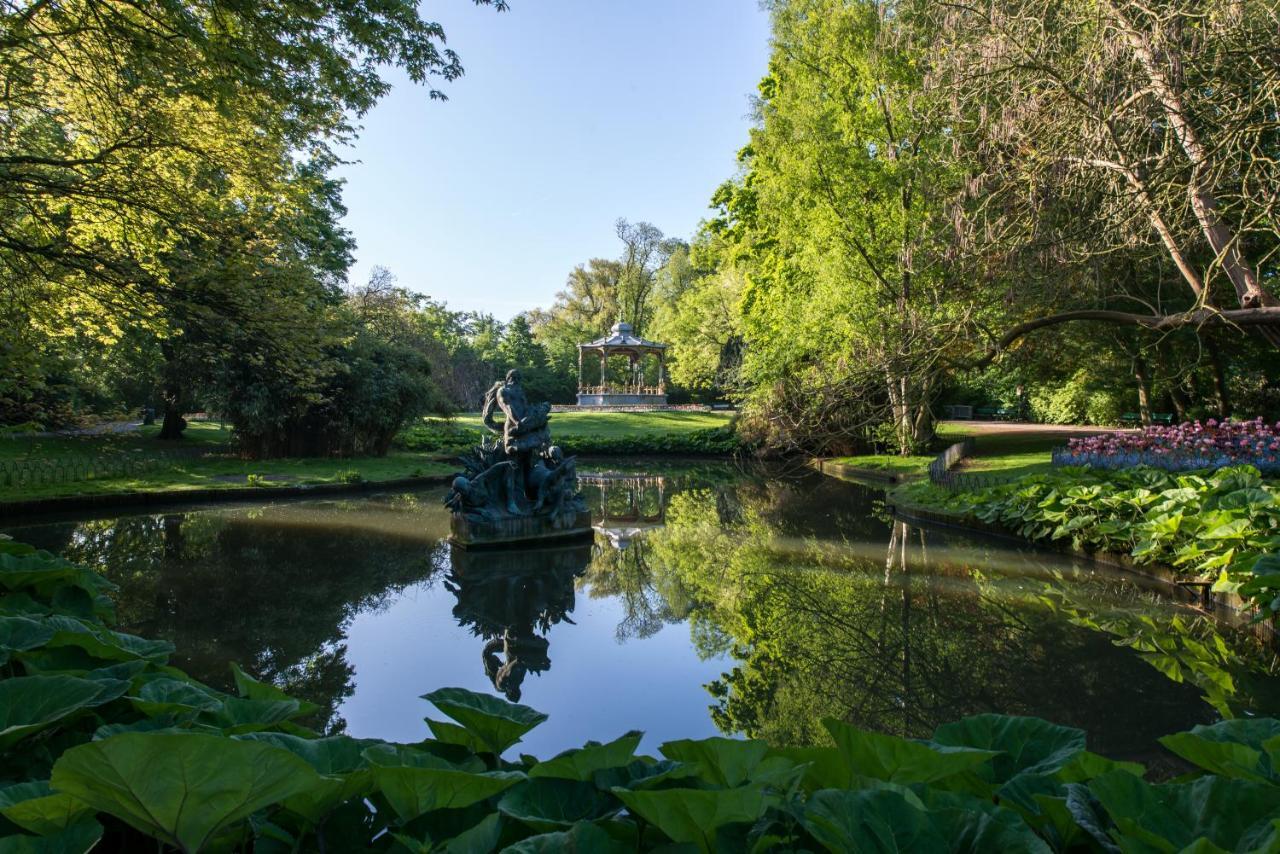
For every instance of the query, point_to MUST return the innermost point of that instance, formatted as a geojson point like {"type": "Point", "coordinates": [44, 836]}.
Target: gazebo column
{"type": "Point", "coordinates": [662, 372]}
{"type": "Point", "coordinates": [579, 370]}
{"type": "Point", "coordinates": [604, 363]}
{"type": "Point", "coordinates": [631, 362]}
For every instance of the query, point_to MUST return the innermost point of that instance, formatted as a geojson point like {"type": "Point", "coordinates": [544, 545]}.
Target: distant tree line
{"type": "Point", "coordinates": [169, 223]}
{"type": "Point", "coordinates": [1064, 209]}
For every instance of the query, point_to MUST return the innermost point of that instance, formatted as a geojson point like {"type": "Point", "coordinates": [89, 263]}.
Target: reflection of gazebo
{"type": "Point", "coordinates": [642, 507]}
{"type": "Point", "coordinates": [633, 391]}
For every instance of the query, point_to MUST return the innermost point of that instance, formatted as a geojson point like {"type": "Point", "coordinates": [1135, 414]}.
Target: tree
{"type": "Point", "coordinates": [1153, 125]}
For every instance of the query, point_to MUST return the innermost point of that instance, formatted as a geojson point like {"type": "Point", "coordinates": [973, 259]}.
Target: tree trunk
{"type": "Point", "coordinates": [174, 423]}
{"type": "Point", "coordinates": [1217, 232]}
{"type": "Point", "coordinates": [1219, 378]}
{"type": "Point", "coordinates": [1144, 388]}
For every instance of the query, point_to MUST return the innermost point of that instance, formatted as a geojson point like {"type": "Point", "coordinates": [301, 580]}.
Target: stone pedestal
{"type": "Point", "coordinates": [476, 532]}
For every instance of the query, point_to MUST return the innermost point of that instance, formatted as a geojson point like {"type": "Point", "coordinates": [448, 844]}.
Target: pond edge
{"type": "Point", "coordinates": [72, 503]}
{"type": "Point", "coordinates": [1227, 608]}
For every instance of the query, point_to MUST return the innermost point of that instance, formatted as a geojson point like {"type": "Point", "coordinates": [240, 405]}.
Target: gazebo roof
{"type": "Point", "coordinates": [620, 338]}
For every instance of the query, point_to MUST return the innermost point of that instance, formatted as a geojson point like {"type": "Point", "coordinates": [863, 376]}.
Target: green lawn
{"type": "Point", "coordinates": [1005, 450]}
{"type": "Point", "coordinates": [623, 425]}
{"type": "Point", "coordinates": [220, 468]}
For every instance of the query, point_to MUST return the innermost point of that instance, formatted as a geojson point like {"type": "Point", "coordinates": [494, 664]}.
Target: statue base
{"type": "Point", "coordinates": [470, 532]}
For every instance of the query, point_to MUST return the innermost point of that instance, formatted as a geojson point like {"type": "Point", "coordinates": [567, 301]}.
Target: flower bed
{"type": "Point", "coordinates": [1182, 447]}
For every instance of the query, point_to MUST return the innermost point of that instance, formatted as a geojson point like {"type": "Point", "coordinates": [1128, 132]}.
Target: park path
{"type": "Point", "coordinates": [104, 429]}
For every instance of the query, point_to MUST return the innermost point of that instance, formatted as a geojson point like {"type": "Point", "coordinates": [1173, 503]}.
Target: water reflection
{"type": "Point", "coordinates": [511, 599]}
{"type": "Point", "coordinates": [782, 598]}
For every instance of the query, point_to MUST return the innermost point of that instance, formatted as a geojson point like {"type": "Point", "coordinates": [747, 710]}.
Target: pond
{"type": "Point", "coordinates": [715, 599]}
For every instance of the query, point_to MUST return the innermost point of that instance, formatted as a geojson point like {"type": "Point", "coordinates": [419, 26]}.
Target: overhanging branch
{"type": "Point", "coordinates": [1243, 317]}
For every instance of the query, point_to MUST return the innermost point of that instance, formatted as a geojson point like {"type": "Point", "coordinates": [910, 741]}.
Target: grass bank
{"type": "Point", "coordinates": [658, 432]}
{"type": "Point", "coordinates": [1003, 449]}
{"type": "Point", "coordinates": [36, 468]}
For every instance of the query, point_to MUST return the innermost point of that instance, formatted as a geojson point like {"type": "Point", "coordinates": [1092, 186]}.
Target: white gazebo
{"type": "Point", "coordinates": [632, 391]}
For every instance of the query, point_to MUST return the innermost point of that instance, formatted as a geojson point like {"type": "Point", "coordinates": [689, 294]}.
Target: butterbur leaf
{"type": "Point", "coordinates": [720, 761]}
{"type": "Point", "coordinates": [582, 763]}
{"type": "Point", "coordinates": [451, 733]}
{"type": "Point", "coordinates": [253, 689]}
{"type": "Point", "coordinates": [1221, 810]}
{"type": "Point", "coordinates": [1235, 748]}
{"type": "Point", "coordinates": [871, 820]}
{"type": "Point", "coordinates": [166, 696]}
{"type": "Point", "coordinates": [79, 838]}
{"type": "Point", "coordinates": [1024, 744]}
{"type": "Point", "coordinates": [338, 759]}
{"type": "Point", "coordinates": [897, 760]}
{"type": "Point", "coordinates": [103, 643]}
{"type": "Point", "coordinates": [29, 704]}
{"type": "Point", "coordinates": [582, 838]}
{"type": "Point", "coordinates": [643, 773]}
{"type": "Point", "coordinates": [39, 809]}
{"type": "Point", "coordinates": [694, 815]}
{"type": "Point", "coordinates": [235, 716]}
{"type": "Point", "coordinates": [416, 783]}
{"type": "Point", "coordinates": [181, 789]}
{"type": "Point", "coordinates": [549, 803]}
{"type": "Point", "coordinates": [497, 723]}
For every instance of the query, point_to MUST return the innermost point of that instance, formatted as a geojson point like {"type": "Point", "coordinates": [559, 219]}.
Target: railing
{"type": "Point", "coordinates": [940, 473]}
{"type": "Point", "coordinates": [622, 389]}
{"type": "Point", "coordinates": [45, 472]}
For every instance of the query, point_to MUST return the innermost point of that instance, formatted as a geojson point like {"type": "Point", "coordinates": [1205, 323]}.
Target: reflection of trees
{"type": "Point", "coordinates": [650, 601]}
{"type": "Point", "coordinates": [512, 599]}
{"type": "Point", "coordinates": [823, 629]}
{"type": "Point", "coordinates": [275, 598]}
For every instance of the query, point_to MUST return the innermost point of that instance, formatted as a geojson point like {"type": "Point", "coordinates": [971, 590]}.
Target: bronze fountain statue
{"type": "Point", "coordinates": [519, 487]}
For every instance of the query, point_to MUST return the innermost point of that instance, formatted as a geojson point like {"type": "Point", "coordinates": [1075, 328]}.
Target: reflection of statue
{"type": "Point", "coordinates": [512, 599]}
{"type": "Point", "coordinates": [519, 488]}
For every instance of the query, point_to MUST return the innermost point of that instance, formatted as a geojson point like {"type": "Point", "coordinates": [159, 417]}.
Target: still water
{"type": "Point", "coordinates": [714, 599]}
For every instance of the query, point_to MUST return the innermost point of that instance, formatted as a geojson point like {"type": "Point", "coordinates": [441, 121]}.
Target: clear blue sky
{"type": "Point", "coordinates": [571, 114]}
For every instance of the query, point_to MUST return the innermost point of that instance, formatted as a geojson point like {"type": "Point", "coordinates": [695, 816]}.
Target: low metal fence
{"type": "Point", "coordinates": [940, 473]}
{"type": "Point", "coordinates": [72, 469]}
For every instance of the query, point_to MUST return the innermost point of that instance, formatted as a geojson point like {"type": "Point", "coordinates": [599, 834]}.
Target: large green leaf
{"type": "Point", "coordinates": [872, 820]}
{"type": "Point", "coordinates": [497, 723]}
{"type": "Point", "coordinates": [1235, 748]}
{"type": "Point", "coordinates": [548, 804]}
{"type": "Point", "coordinates": [724, 762]}
{"type": "Point", "coordinates": [886, 757]}
{"type": "Point", "coordinates": [181, 788]}
{"type": "Point", "coordinates": [1231, 814]}
{"type": "Point", "coordinates": [236, 715]}
{"type": "Point", "coordinates": [253, 689]}
{"type": "Point", "coordinates": [22, 633]}
{"type": "Point", "coordinates": [694, 815]}
{"type": "Point", "coordinates": [338, 759]}
{"type": "Point", "coordinates": [976, 825]}
{"type": "Point", "coordinates": [29, 704]}
{"type": "Point", "coordinates": [103, 643]}
{"type": "Point", "coordinates": [39, 809]}
{"type": "Point", "coordinates": [582, 838]}
{"type": "Point", "coordinates": [415, 783]}
{"type": "Point", "coordinates": [165, 696]}
{"type": "Point", "coordinates": [582, 763]}
{"type": "Point", "coordinates": [643, 773]}
{"type": "Point", "coordinates": [1024, 745]}
{"type": "Point", "coordinates": [78, 838]}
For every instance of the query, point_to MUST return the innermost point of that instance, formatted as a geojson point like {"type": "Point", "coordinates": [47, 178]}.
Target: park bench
{"type": "Point", "coordinates": [993, 413]}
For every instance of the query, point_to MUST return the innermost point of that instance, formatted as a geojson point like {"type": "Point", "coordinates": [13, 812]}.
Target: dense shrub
{"type": "Point", "coordinates": [106, 745]}
{"type": "Point", "coordinates": [1184, 447]}
{"type": "Point", "coordinates": [1224, 524]}
{"type": "Point", "coordinates": [367, 390]}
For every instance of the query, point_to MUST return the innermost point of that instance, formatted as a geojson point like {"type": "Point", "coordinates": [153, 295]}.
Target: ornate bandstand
{"type": "Point", "coordinates": [633, 390]}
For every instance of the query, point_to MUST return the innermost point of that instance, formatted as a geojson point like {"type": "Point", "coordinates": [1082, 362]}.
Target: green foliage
{"type": "Point", "coordinates": [155, 754]}
{"type": "Point", "coordinates": [1222, 525]}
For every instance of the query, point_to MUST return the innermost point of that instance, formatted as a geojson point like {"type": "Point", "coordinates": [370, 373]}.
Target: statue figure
{"type": "Point", "coordinates": [516, 477]}
{"type": "Point", "coordinates": [525, 428]}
